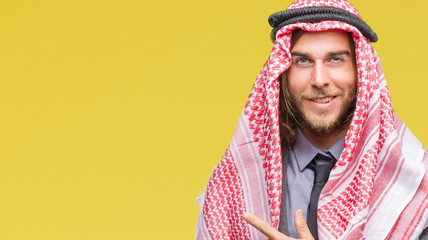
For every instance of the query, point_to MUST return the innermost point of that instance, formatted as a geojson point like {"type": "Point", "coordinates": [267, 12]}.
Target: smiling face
{"type": "Point", "coordinates": [322, 81]}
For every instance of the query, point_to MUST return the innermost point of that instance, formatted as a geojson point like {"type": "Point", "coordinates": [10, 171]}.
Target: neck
{"type": "Point", "coordinates": [324, 141]}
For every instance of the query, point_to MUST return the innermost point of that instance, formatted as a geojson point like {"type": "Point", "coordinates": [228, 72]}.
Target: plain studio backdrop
{"type": "Point", "coordinates": [114, 113]}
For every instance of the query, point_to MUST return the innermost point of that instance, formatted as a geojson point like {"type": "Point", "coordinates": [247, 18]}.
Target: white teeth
{"type": "Point", "coordinates": [323, 100]}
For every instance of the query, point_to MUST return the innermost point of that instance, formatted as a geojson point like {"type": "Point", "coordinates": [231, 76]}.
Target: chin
{"type": "Point", "coordinates": [321, 125]}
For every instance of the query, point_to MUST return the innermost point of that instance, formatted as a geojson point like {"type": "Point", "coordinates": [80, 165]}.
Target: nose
{"type": "Point", "coordinates": [320, 76]}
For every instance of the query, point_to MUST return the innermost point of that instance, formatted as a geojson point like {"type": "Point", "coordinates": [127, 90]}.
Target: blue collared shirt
{"type": "Point", "coordinates": [300, 179]}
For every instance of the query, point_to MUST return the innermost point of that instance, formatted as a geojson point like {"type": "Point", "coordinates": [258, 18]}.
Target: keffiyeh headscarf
{"type": "Point", "coordinates": [378, 188]}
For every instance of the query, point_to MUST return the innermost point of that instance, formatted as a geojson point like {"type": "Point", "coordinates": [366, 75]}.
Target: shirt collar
{"type": "Point", "coordinates": [305, 151]}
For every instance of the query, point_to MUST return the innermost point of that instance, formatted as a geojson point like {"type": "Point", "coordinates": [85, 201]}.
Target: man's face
{"type": "Point", "coordinates": [322, 80]}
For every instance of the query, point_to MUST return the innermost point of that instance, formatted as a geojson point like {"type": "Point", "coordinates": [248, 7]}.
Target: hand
{"type": "Point", "coordinates": [273, 234]}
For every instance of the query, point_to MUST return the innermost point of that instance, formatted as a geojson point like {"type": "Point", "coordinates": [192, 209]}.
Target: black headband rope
{"type": "Point", "coordinates": [319, 14]}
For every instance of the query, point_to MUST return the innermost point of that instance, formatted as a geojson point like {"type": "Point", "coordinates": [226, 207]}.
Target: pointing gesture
{"type": "Point", "coordinates": [264, 227]}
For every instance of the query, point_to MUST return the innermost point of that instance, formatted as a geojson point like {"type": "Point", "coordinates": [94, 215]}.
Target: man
{"type": "Point", "coordinates": [320, 109]}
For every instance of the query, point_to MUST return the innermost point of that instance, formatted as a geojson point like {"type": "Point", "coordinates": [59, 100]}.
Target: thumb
{"type": "Point", "coordinates": [301, 226]}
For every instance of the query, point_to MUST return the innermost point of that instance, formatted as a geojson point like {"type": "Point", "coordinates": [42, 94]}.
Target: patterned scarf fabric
{"type": "Point", "coordinates": [378, 188]}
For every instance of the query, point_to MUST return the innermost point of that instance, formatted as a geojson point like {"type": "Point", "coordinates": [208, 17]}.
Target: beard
{"type": "Point", "coordinates": [318, 127]}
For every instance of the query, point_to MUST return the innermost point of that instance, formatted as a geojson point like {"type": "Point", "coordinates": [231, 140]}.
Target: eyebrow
{"type": "Point", "coordinates": [334, 53]}
{"type": "Point", "coordinates": [344, 52]}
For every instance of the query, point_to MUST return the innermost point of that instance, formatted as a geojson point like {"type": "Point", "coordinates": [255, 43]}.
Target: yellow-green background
{"type": "Point", "coordinates": [113, 113]}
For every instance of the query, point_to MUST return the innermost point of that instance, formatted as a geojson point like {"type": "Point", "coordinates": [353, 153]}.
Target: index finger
{"type": "Point", "coordinates": [264, 227]}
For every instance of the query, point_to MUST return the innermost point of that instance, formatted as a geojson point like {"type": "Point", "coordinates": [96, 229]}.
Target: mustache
{"type": "Point", "coordinates": [321, 92]}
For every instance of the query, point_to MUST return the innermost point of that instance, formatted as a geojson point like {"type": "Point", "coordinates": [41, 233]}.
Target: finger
{"type": "Point", "coordinates": [301, 226]}
{"type": "Point", "coordinates": [264, 227]}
